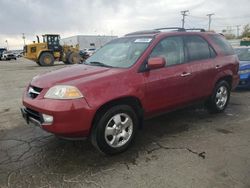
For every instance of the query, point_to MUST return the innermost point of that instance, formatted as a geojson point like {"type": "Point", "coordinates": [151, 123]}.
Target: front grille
{"type": "Point", "coordinates": [34, 114]}
{"type": "Point", "coordinates": [33, 91]}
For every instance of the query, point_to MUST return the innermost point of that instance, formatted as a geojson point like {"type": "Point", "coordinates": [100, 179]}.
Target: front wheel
{"type": "Point", "coordinates": [115, 129]}
{"type": "Point", "coordinates": [220, 97]}
{"type": "Point", "coordinates": [46, 59]}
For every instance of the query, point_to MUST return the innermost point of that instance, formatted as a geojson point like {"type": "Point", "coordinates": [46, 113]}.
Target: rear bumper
{"type": "Point", "coordinates": [71, 118]}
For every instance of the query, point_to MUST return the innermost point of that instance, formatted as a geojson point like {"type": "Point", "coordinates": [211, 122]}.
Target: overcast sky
{"type": "Point", "coordinates": [106, 17]}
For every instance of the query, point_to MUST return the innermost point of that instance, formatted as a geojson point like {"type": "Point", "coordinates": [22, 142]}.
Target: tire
{"type": "Point", "coordinates": [46, 59]}
{"type": "Point", "coordinates": [38, 63]}
{"type": "Point", "coordinates": [67, 58]}
{"type": "Point", "coordinates": [221, 95]}
{"type": "Point", "coordinates": [74, 58]}
{"type": "Point", "coordinates": [112, 138]}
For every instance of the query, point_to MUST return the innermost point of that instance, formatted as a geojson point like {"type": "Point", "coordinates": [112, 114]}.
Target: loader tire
{"type": "Point", "coordinates": [46, 59]}
{"type": "Point", "coordinates": [74, 58]}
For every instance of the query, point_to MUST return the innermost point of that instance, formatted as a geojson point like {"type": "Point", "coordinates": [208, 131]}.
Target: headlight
{"type": "Point", "coordinates": [63, 92]}
{"type": "Point", "coordinates": [244, 71]}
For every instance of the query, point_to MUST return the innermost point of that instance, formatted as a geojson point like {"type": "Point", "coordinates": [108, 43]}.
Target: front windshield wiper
{"type": "Point", "coordinates": [98, 64]}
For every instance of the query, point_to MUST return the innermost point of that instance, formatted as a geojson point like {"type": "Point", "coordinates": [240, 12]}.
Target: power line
{"type": "Point", "coordinates": [184, 14]}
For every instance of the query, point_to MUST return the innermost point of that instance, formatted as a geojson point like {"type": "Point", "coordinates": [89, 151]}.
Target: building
{"type": "Point", "coordinates": [88, 41]}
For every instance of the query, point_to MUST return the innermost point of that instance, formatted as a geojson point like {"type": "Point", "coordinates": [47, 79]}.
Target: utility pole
{"type": "Point", "coordinates": [209, 20]}
{"type": "Point", "coordinates": [184, 14]}
{"type": "Point", "coordinates": [238, 30]}
{"type": "Point", "coordinates": [23, 39]}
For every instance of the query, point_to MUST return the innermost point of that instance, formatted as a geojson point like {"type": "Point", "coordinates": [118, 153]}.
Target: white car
{"type": "Point", "coordinates": [8, 55]}
{"type": "Point", "coordinates": [90, 51]}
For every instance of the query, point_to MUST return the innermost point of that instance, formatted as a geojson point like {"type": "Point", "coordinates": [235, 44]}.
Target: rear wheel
{"type": "Point", "coordinates": [220, 97]}
{"type": "Point", "coordinates": [46, 59]}
{"type": "Point", "coordinates": [74, 58]}
{"type": "Point", "coordinates": [115, 129]}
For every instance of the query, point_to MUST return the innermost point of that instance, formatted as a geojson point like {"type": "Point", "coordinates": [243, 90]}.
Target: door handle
{"type": "Point", "coordinates": [184, 74]}
{"type": "Point", "coordinates": [217, 66]}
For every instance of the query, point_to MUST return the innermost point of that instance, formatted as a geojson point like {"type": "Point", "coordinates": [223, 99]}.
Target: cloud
{"type": "Point", "coordinates": [67, 17]}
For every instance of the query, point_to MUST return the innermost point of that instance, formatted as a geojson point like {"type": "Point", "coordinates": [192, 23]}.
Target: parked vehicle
{"type": "Point", "coordinates": [84, 55]}
{"type": "Point", "coordinates": [138, 76]}
{"type": "Point", "coordinates": [1, 52]}
{"type": "Point", "coordinates": [8, 55]}
{"type": "Point", "coordinates": [18, 54]}
{"type": "Point", "coordinates": [244, 70]}
{"type": "Point", "coordinates": [90, 51]}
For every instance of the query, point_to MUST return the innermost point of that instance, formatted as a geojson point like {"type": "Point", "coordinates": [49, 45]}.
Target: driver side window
{"type": "Point", "coordinates": [172, 49]}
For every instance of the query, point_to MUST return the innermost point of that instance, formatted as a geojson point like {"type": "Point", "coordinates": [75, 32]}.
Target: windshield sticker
{"type": "Point", "coordinates": [144, 40]}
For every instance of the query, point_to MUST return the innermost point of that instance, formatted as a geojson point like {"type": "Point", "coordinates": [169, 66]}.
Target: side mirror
{"type": "Point", "coordinates": [156, 62]}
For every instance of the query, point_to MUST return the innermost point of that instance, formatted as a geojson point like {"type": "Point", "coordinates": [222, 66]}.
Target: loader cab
{"type": "Point", "coordinates": [53, 42]}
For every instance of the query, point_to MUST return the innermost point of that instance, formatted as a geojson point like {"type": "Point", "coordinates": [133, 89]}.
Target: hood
{"type": "Point", "coordinates": [244, 65]}
{"type": "Point", "coordinates": [72, 75]}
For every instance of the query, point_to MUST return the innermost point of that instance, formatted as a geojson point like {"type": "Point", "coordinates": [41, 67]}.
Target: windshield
{"type": "Point", "coordinates": [121, 53]}
{"type": "Point", "coordinates": [243, 53]}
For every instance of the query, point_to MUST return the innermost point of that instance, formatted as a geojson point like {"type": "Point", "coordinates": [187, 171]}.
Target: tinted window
{"type": "Point", "coordinates": [171, 49]}
{"type": "Point", "coordinates": [225, 47]}
{"type": "Point", "coordinates": [197, 48]}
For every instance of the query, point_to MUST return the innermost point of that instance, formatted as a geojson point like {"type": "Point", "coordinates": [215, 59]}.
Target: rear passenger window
{"type": "Point", "coordinates": [172, 49]}
{"type": "Point", "coordinates": [198, 48]}
{"type": "Point", "coordinates": [225, 47]}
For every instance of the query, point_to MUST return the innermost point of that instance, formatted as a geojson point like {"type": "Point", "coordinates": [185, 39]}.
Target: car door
{"type": "Point", "coordinates": [167, 87]}
{"type": "Point", "coordinates": [200, 65]}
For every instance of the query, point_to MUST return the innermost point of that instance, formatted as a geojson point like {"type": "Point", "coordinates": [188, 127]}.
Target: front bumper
{"type": "Point", "coordinates": [29, 117]}
{"type": "Point", "coordinates": [71, 118]}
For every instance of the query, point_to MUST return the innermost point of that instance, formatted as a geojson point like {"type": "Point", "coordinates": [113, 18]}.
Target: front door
{"type": "Point", "coordinates": [167, 87]}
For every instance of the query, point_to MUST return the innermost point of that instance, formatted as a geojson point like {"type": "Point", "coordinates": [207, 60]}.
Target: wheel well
{"type": "Point", "coordinates": [131, 101]}
{"type": "Point", "coordinates": [228, 79]}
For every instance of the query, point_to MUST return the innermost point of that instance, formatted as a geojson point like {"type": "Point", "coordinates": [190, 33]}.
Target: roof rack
{"type": "Point", "coordinates": [143, 32]}
{"type": "Point", "coordinates": [171, 28]}
{"type": "Point", "coordinates": [158, 30]}
{"type": "Point", "coordinates": [196, 29]}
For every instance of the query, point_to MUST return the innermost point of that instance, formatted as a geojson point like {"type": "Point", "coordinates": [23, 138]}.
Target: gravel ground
{"type": "Point", "coordinates": [186, 148]}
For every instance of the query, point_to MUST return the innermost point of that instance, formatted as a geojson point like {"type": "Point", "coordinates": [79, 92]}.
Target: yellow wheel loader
{"type": "Point", "coordinates": [45, 53]}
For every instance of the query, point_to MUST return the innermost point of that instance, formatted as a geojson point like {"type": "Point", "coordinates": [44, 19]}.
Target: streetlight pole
{"type": "Point", "coordinates": [184, 14]}
{"type": "Point", "coordinates": [23, 37]}
{"type": "Point", "coordinates": [7, 45]}
{"type": "Point", "coordinates": [238, 30]}
{"type": "Point", "coordinates": [209, 20]}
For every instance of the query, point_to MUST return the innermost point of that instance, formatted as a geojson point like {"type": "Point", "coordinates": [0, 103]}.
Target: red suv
{"type": "Point", "coordinates": [131, 78]}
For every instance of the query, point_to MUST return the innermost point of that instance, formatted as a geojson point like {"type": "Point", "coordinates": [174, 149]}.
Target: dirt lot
{"type": "Point", "coordinates": [187, 148]}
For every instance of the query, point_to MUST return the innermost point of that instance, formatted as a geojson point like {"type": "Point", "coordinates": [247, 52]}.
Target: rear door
{"type": "Point", "coordinates": [167, 88]}
{"type": "Point", "coordinates": [201, 66]}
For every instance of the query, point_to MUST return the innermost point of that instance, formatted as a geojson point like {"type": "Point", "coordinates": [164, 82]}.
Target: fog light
{"type": "Point", "coordinates": [47, 118]}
